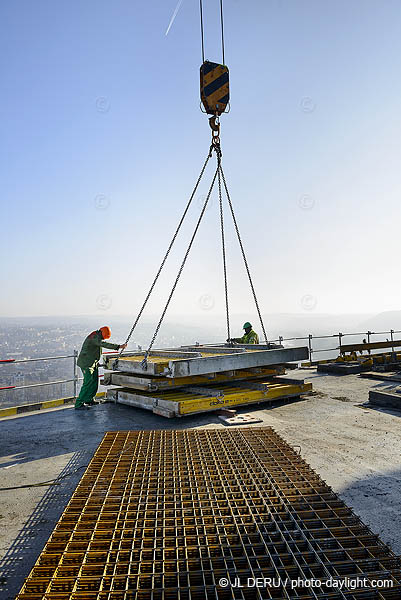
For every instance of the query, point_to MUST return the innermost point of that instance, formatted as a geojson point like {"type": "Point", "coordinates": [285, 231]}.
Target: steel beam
{"type": "Point", "coordinates": [230, 362]}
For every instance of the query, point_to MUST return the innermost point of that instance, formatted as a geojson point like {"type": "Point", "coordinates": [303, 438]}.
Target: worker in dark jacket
{"type": "Point", "coordinates": [249, 337]}
{"type": "Point", "coordinates": [88, 361]}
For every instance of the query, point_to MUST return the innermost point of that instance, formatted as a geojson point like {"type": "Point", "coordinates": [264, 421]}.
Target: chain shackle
{"type": "Point", "coordinates": [214, 123]}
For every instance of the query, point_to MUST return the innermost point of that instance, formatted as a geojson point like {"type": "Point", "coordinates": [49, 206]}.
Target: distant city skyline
{"type": "Point", "coordinates": [39, 337]}
{"type": "Point", "coordinates": [103, 140]}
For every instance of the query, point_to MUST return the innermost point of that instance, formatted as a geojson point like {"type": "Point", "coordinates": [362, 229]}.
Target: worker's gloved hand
{"type": "Point", "coordinates": [122, 346]}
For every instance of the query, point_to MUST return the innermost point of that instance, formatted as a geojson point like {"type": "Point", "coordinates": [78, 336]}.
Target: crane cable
{"type": "Point", "coordinates": [243, 254]}
{"type": "Point", "coordinates": [222, 29]}
{"type": "Point", "coordinates": [202, 29]}
{"type": "Point", "coordinates": [223, 246]}
{"type": "Point", "coordinates": [219, 174]}
{"type": "Point", "coordinates": [201, 25]}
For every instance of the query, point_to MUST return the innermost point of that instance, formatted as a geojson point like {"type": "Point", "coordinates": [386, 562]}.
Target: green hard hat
{"type": "Point", "coordinates": [246, 325]}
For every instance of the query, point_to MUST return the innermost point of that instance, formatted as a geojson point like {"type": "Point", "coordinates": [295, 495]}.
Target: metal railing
{"type": "Point", "coordinates": [367, 335]}
{"type": "Point", "coordinates": [15, 361]}
{"type": "Point", "coordinates": [75, 379]}
{"type": "Point", "coordinates": [309, 339]}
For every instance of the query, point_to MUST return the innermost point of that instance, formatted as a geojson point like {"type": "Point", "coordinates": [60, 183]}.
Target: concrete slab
{"type": "Point", "coordinates": [341, 368]}
{"type": "Point", "coordinates": [385, 399]}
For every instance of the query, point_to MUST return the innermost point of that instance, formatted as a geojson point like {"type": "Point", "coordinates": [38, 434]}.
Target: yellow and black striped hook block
{"type": "Point", "coordinates": [214, 88]}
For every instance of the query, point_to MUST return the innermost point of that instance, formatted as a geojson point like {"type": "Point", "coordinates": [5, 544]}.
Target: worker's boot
{"type": "Point", "coordinates": [82, 407]}
{"type": "Point", "coordinates": [92, 403]}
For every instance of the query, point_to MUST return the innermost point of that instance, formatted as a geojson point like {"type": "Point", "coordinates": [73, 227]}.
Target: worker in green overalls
{"type": "Point", "coordinates": [88, 361]}
{"type": "Point", "coordinates": [249, 337]}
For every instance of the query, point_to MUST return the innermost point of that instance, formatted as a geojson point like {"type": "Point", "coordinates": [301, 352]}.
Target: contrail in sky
{"type": "Point", "coordinates": [177, 8]}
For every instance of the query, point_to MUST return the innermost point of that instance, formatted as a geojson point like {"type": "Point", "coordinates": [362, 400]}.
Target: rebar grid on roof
{"type": "Point", "coordinates": [165, 515]}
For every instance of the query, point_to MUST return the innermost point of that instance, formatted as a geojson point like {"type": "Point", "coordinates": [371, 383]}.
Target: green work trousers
{"type": "Point", "coordinates": [89, 386]}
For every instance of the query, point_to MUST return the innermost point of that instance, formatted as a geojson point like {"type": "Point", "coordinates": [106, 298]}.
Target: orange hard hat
{"type": "Point", "coordinates": [106, 333]}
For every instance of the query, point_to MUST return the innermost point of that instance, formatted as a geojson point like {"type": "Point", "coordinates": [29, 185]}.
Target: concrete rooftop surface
{"type": "Point", "coordinates": [355, 449]}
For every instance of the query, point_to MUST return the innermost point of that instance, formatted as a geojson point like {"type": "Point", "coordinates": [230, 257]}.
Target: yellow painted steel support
{"type": "Point", "coordinates": [236, 397]}
{"type": "Point", "coordinates": [369, 359]}
{"type": "Point", "coordinates": [182, 402]}
{"type": "Point", "coordinates": [27, 408]}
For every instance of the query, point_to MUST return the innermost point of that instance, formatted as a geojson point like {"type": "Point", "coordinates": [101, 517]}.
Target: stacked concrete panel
{"type": "Point", "coordinates": [194, 379]}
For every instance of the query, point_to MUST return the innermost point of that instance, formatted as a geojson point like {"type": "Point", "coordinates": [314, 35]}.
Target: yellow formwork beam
{"type": "Point", "coordinates": [238, 396]}
{"type": "Point", "coordinates": [181, 402]}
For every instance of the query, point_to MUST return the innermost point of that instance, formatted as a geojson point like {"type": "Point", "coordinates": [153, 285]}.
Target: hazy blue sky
{"type": "Point", "coordinates": [102, 140]}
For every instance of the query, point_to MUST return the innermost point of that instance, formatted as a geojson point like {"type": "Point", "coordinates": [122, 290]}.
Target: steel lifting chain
{"type": "Point", "coordinates": [243, 254]}
{"type": "Point", "coordinates": [145, 359]}
{"type": "Point", "coordinates": [115, 363]}
{"type": "Point", "coordinates": [219, 175]}
{"type": "Point", "coordinates": [223, 244]}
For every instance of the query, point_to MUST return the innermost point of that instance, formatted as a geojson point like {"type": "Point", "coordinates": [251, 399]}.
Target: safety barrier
{"type": "Point", "coordinates": [75, 379]}
{"type": "Point", "coordinates": [336, 336]}
{"type": "Point", "coordinates": [310, 338]}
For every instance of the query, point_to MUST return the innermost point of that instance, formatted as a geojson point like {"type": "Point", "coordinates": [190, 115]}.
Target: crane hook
{"type": "Point", "coordinates": [214, 123]}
